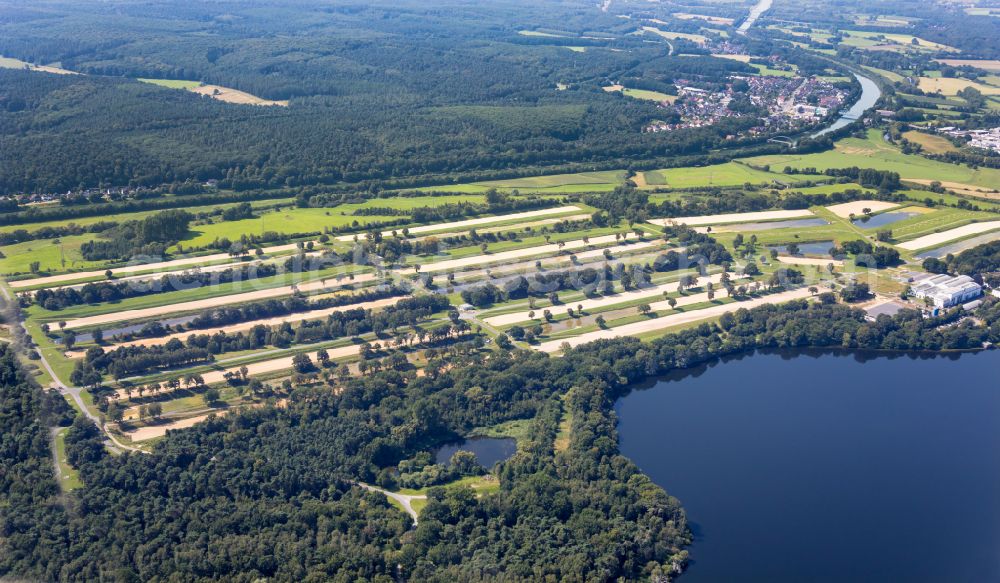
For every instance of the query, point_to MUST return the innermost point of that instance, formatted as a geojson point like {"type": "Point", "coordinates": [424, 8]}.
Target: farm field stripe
{"type": "Point", "coordinates": [473, 222]}
{"type": "Point", "coordinates": [596, 303]}
{"type": "Point", "coordinates": [163, 265]}
{"type": "Point", "coordinates": [560, 260]}
{"type": "Point", "coordinates": [732, 218]}
{"type": "Point", "coordinates": [268, 322]}
{"type": "Point", "coordinates": [547, 249]}
{"type": "Point", "coordinates": [278, 364]}
{"type": "Point", "coordinates": [857, 207]}
{"type": "Point", "coordinates": [216, 302]}
{"type": "Point", "coordinates": [935, 239]}
{"type": "Point", "coordinates": [655, 324]}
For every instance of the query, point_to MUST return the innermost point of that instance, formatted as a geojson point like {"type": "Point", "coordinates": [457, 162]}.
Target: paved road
{"type": "Point", "coordinates": [404, 499]}
{"type": "Point", "coordinates": [73, 392]}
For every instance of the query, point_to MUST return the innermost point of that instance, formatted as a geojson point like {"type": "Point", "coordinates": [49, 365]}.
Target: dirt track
{"type": "Point", "coordinates": [653, 324]}
{"type": "Point", "coordinates": [209, 303]}
{"type": "Point", "coordinates": [153, 431]}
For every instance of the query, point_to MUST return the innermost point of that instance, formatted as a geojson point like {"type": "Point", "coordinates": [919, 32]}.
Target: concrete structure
{"type": "Point", "coordinates": [946, 291]}
{"type": "Point", "coordinates": [890, 308]}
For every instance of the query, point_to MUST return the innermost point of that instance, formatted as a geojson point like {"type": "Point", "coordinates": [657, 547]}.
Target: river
{"type": "Point", "coordinates": [870, 94]}
{"type": "Point", "coordinates": [829, 466]}
{"type": "Point", "coordinates": [755, 13]}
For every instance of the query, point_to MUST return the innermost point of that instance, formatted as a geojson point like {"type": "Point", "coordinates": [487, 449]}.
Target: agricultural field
{"type": "Point", "coordinates": [695, 38]}
{"type": "Point", "coordinates": [729, 174]}
{"type": "Point", "coordinates": [951, 86]}
{"type": "Point", "coordinates": [874, 152]}
{"type": "Point", "coordinates": [226, 94]}
{"type": "Point", "coordinates": [642, 94]}
{"type": "Point", "coordinates": [931, 143]}
{"type": "Point", "coordinates": [390, 299]}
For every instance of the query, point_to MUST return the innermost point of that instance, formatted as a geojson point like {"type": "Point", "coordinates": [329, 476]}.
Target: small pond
{"type": "Point", "coordinates": [883, 219]}
{"type": "Point", "coordinates": [956, 248]}
{"type": "Point", "coordinates": [488, 450]}
{"type": "Point", "coordinates": [769, 226]}
{"type": "Point", "coordinates": [821, 248]}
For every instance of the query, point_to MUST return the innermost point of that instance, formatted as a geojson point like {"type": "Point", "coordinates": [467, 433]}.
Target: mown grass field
{"type": "Point", "coordinates": [648, 95]}
{"type": "Point", "coordinates": [51, 254]}
{"type": "Point", "coordinates": [951, 86]}
{"type": "Point", "coordinates": [305, 220]}
{"type": "Point", "coordinates": [931, 143]}
{"type": "Point", "coordinates": [874, 152]}
{"type": "Point", "coordinates": [173, 83]}
{"type": "Point", "coordinates": [729, 174]}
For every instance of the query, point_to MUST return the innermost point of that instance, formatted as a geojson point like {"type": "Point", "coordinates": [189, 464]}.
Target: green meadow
{"type": "Point", "coordinates": [874, 152]}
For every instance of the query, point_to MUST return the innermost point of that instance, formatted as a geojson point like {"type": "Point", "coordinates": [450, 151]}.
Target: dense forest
{"type": "Point", "coordinates": [378, 92]}
{"type": "Point", "coordinates": [275, 486]}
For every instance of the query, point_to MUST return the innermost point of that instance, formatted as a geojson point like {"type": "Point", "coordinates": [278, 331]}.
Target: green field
{"type": "Point", "coordinates": [51, 254]}
{"type": "Point", "coordinates": [648, 95]}
{"type": "Point", "coordinates": [306, 220]}
{"type": "Point", "coordinates": [728, 174]}
{"type": "Point", "coordinates": [766, 71]}
{"type": "Point", "coordinates": [874, 152]}
{"type": "Point", "coordinates": [121, 217]}
{"type": "Point", "coordinates": [173, 83]}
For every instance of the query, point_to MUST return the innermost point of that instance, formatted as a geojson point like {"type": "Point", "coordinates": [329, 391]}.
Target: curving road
{"type": "Point", "coordinates": [404, 499]}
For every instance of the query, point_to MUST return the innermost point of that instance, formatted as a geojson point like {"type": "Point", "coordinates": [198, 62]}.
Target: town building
{"type": "Point", "coordinates": [946, 291]}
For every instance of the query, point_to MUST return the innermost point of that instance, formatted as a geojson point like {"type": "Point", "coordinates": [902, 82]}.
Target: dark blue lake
{"type": "Point", "coordinates": [883, 219]}
{"type": "Point", "coordinates": [488, 450]}
{"type": "Point", "coordinates": [829, 467]}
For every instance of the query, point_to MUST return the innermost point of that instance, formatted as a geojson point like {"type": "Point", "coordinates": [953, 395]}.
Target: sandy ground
{"type": "Point", "coordinates": [161, 266]}
{"type": "Point", "coordinates": [597, 303]}
{"type": "Point", "coordinates": [961, 188]}
{"type": "Point", "coordinates": [936, 239]}
{"type": "Point", "coordinates": [473, 222]}
{"type": "Point", "coordinates": [562, 260]}
{"type": "Point", "coordinates": [506, 228]}
{"type": "Point", "coordinates": [243, 326]}
{"type": "Point", "coordinates": [206, 269]}
{"type": "Point", "coordinates": [661, 323]}
{"type": "Point", "coordinates": [233, 95]}
{"type": "Point", "coordinates": [505, 256]}
{"type": "Point", "coordinates": [808, 261]}
{"type": "Point", "coordinates": [161, 430]}
{"type": "Point", "coordinates": [278, 364]}
{"type": "Point", "coordinates": [209, 303]}
{"type": "Point", "coordinates": [989, 65]}
{"type": "Point", "coordinates": [733, 218]}
{"type": "Point", "coordinates": [845, 210]}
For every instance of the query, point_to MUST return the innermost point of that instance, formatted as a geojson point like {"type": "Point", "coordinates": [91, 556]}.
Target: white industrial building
{"type": "Point", "coordinates": [947, 291]}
